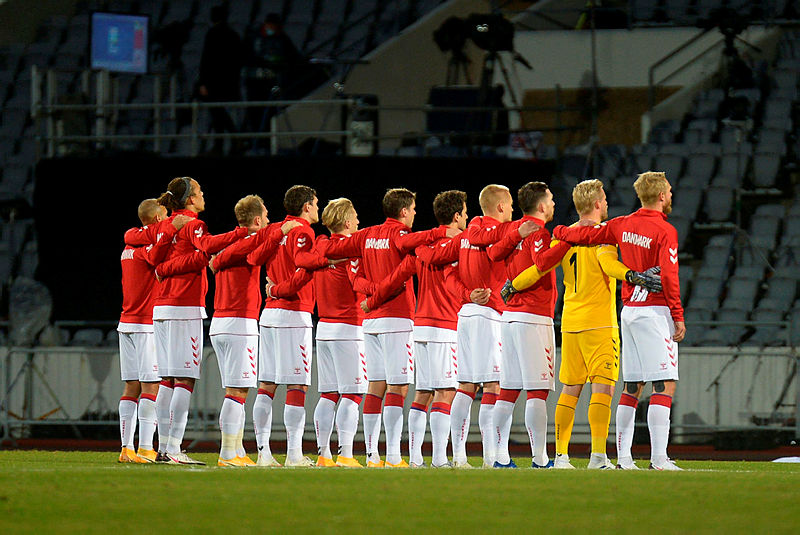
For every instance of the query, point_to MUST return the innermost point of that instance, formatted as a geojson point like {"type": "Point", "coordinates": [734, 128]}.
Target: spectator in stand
{"type": "Point", "coordinates": [272, 65]}
{"type": "Point", "coordinates": [220, 71]}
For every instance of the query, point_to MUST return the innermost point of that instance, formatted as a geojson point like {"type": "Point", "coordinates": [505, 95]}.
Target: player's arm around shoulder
{"type": "Point", "coordinates": [608, 257]}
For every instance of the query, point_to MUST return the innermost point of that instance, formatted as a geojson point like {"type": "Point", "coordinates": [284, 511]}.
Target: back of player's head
{"type": "Point", "coordinates": [178, 192]}
{"type": "Point", "coordinates": [396, 199]}
{"type": "Point", "coordinates": [530, 195]}
{"type": "Point", "coordinates": [336, 212]}
{"type": "Point", "coordinates": [649, 185]}
{"type": "Point", "coordinates": [248, 208]}
{"type": "Point", "coordinates": [447, 204]}
{"type": "Point", "coordinates": [148, 210]}
{"type": "Point", "coordinates": [585, 194]}
{"type": "Point", "coordinates": [491, 195]}
{"type": "Point", "coordinates": [296, 197]}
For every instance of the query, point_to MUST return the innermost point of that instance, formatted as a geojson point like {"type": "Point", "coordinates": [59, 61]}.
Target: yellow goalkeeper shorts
{"type": "Point", "coordinates": [591, 355]}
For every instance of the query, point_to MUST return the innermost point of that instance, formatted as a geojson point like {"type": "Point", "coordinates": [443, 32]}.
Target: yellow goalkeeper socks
{"type": "Point", "coordinates": [565, 417]}
{"type": "Point", "coordinates": [599, 417]}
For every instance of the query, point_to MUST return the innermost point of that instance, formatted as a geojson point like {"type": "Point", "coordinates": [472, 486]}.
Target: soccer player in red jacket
{"type": "Point", "coordinates": [479, 321]}
{"type": "Point", "coordinates": [435, 350]}
{"type": "Point", "coordinates": [651, 323]}
{"type": "Point", "coordinates": [528, 356]}
{"type": "Point", "coordinates": [137, 352]}
{"type": "Point", "coordinates": [179, 309]}
{"type": "Point", "coordinates": [285, 352]}
{"type": "Point", "coordinates": [341, 365]}
{"type": "Point", "coordinates": [388, 330]}
{"type": "Point", "coordinates": [234, 328]}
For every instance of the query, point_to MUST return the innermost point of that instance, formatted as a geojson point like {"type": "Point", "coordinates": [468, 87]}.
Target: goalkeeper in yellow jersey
{"type": "Point", "coordinates": [590, 332]}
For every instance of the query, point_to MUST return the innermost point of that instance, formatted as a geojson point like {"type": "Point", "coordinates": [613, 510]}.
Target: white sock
{"type": "Point", "coordinates": [229, 423]}
{"type": "Point", "coordinates": [626, 415]}
{"type": "Point", "coordinates": [372, 434]}
{"type": "Point", "coordinates": [417, 422]}
{"type": "Point", "coordinates": [179, 415]}
{"type": "Point", "coordinates": [503, 415]}
{"type": "Point", "coordinates": [486, 424]}
{"type": "Point", "coordinates": [536, 422]}
{"type": "Point", "coordinates": [440, 432]}
{"type": "Point", "coordinates": [459, 424]}
{"type": "Point", "coordinates": [393, 426]}
{"type": "Point", "coordinates": [294, 419]}
{"type": "Point", "coordinates": [147, 423]}
{"type": "Point", "coordinates": [163, 401]}
{"type": "Point", "coordinates": [262, 422]}
{"type": "Point", "coordinates": [240, 451]}
{"type": "Point", "coordinates": [323, 425]}
{"type": "Point", "coordinates": [346, 425]}
{"type": "Point", "coordinates": [658, 424]}
{"type": "Point", "coordinates": [127, 419]}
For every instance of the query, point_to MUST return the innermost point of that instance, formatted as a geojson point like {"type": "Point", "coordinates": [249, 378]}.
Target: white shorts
{"type": "Point", "coordinates": [436, 365]}
{"type": "Point", "coordinates": [137, 357]}
{"type": "Point", "coordinates": [237, 356]}
{"type": "Point", "coordinates": [528, 356]}
{"type": "Point", "coordinates": [285, 355]}
{"type": "Point", "coordinates": [390, 357]}
{"type": "Point", "coordinates": [648, 351]}
{"type": "Point", "coordinates": [479, 349]}
{"type": "Point", "coordinates": [341, 366]}
{"type": "Point", "coordinates": [179, 347]}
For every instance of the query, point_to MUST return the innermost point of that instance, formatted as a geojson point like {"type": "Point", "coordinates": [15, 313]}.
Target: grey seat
{"type": "Point", "coordinates": [781, 292]}
{"type": "Point", "coordinates": [706, 109]}
{"type": "Point", "coordinates": [683, 225]}
{"type": "Point", "coordinates": [765, 169]}
{"type": "Point", "coordinates": [744, 289]}
{"type": "Point", "coordinates": [700, 131]}
{"type": "Point", "coordinates": [686, 200]}
{"type": "Point", "coordinates": [771, 140]}
{"type": "Point", "coordinates": [706, 288]}
{"type": "Point", "coordinates": [732, 168]}
{"type": "Point", "coordinates": [764, 231]}
{"type": "Point", "coordinates": [791, 230]}
{"type": "Point", "coordinates": [718, 203]}
{"type": "Point", "coordinates": [701, 166]}
{"type": "Point", "coordinates": [671, 164]}
{"type": "Point", "coordinates": [87, 337]}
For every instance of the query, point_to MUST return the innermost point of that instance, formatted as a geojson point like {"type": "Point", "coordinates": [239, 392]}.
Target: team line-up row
{"type": "Point", "coordinates": [482, 318]}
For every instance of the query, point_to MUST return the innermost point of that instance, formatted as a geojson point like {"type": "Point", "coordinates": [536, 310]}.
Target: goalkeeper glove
{"type": "Point", "coordinates": [649, 279]}
{"type": "Point", "coordinates": [507, 291]}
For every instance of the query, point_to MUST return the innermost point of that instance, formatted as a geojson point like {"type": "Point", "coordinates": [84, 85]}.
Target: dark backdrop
{"type": "Point", "coordinates": [83, 206]}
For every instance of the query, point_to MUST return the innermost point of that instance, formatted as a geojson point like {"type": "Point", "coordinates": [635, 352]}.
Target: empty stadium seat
{"type": "Point", "coordinates": [718, 203]}
{"type": "Point", "coordinates": [87, 337]}
{"type": "Point", "coordinates": [765, 169]}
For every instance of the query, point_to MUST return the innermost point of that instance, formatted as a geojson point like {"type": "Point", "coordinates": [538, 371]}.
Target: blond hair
{"type": "Point", "coordinates": [649, 185]}
{"type": "Point", "coordinates": [336, 212]}
{"type": "Point", "coordinates": [248, 208]}
{"type": "Point", "coordinates": [491, 195]}
{"type": "Point", "coordinates": [585, 194]}
{"type": "Point", "coordinates": [147, 211]}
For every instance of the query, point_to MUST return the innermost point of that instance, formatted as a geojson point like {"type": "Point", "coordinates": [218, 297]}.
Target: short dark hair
{"type": "Point", "coordinates": [395, 200]}
{"type": "Point", "coordinates": [447, 204]}
{"type": "Point", "coordinates": [296, 197]}
{"type": "Point", "coordinates": [530, 195]}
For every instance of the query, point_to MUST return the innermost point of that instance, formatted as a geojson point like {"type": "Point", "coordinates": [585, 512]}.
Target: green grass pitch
{"type": "Point", "coordinates": [88, 492]}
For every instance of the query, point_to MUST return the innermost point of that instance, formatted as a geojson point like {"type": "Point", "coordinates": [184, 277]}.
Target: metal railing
{"type": "Point", "coordinates": [105, 110]}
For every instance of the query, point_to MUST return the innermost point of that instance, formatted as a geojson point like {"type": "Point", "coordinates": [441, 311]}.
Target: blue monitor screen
{"type": "Point", "coordinates": [119, 42]}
